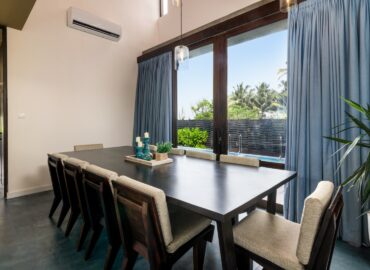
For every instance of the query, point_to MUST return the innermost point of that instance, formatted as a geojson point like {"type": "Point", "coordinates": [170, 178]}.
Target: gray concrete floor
{"type": "Point", "coordinates": [30, 240]}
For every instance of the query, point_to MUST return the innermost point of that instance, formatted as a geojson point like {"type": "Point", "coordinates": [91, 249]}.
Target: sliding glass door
{"type": "Point", "coordinates": [195, 101]}
{"type": "Point", "coordinates": [257, 93]}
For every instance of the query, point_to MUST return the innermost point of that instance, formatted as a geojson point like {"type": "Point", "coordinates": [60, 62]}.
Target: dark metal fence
{"type": "Point", "coordinates": [262, 137]}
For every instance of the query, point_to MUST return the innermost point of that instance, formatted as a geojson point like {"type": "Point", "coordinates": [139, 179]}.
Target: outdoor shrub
{"type": "Point", "coordinates": [192, 137]}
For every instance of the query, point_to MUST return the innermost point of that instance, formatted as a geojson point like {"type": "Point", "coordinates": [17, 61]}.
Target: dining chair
{"type": "Point", "coordinates": [153, 147]}
{"type": "Point", "coordinates": [55, 164]}
{"type": "Point", "coordinates": [73, 175]}
{"type": "Point", "coordinates": [277, 243]}
{"type": "Point", "coordinates": [149, 229]}
{"type": "Point", "coordinates": [245, 161]}
{"type": "Point", "coordinates": [200, 154]}
{"type": "Point", "coordinates": [98, 192]}
{"type": "Point", "coordinates": [83, 147]}
{"type": "Point", "coordinates": [177, 151]}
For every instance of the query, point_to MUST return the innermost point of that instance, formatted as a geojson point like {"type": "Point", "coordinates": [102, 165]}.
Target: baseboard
{"type": "Point", "coordinates": [28, 191]}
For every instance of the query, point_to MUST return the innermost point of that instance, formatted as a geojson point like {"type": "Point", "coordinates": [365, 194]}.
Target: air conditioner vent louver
{"type": "Point", "coordinates": [86, 22]}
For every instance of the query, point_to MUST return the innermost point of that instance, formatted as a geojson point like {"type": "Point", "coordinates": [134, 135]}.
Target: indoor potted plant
{"type": "Point", "coordinates": [163, 148]}
{"type": "Point", "coordinates": [361, 176]}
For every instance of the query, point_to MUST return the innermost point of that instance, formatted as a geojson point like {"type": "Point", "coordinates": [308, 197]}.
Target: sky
{"type": "Point", "coordinates": [250, 62]}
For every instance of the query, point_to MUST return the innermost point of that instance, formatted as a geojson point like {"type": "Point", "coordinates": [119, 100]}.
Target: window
{"type": "Point", "coordinates": [257, 92]}
{"type": "Point", "coordinates": [163, 7]}
{"type": "Point", "coordinates": [195, 106]}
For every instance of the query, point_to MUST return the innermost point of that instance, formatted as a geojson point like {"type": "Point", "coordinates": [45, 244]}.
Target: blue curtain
{"type": "Point", "coordinates": [153, 106]}
{"type": "Point", "coordinates": [328, 57]}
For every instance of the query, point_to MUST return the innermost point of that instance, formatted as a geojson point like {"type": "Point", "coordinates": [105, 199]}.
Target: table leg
{"type": "Point", "coordinates": [226, 239]}
{"type": "Point", "coordinates": [271, 203]}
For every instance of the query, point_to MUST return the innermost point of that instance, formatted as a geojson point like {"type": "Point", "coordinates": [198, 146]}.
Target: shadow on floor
{"type": "Point", "coordinates": [30, 240]}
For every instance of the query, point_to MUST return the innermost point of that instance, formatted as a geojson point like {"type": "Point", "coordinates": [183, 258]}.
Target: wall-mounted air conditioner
{"type": "Point", "coordinates": [86, 22]}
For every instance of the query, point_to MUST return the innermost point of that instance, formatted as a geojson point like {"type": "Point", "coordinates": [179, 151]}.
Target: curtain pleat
{"type": "Point", "coordinates": [328, 58]}
{"type": "Point", "coordinates": [153, 106]}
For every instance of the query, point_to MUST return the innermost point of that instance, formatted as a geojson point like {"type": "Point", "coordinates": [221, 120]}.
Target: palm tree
{"type": "Point", "coordinates": [242, 96]}
{"type": "Point", "coordinates": [265, 99]}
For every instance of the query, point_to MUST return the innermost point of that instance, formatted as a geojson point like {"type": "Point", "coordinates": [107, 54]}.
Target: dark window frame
{"type": "Point", "coordinates": [5, 109]}
{"type": "Point", "coordinates": [218, 35]}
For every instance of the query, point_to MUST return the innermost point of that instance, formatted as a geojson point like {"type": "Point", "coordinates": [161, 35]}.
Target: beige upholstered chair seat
{"type": "Point", "coordinates": [271, 237]}
{"type": "Point", "coordinates": [102, 172]}
{"type": "Point", "coordinates": [178, 151]}
{"type": "Point", "coordinates": [83, 147]}
{"type": "Point", "coordinates": [246, 161]}
{"type": "Point", "coordinates": [185, 225]}
{"type": "Point", "coordinates": [77, 162]}
{"type": "Point", "coordinates": [202, 155]}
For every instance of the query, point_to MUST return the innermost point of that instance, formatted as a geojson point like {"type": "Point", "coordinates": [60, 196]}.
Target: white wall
{"type": "Point", "coordinates": [197, 13]}
{"type": "Point", "coordinates": [72, 87]}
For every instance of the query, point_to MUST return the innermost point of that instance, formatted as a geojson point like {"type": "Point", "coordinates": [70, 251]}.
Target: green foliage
{"type": "Point", "coordinates": [192, 137]}
{"type": "Point", "coordinates": [361, 176]}
{"type": "Point", "coordinates": [237, 112]}
{"type": "Point", "coordinates": [203, 110]}
{"type": "Point", "coordinates": [164, 147]}
{"type": "Point", "coordinates": [242, 96]}
{"type": "Point", "coordinates": [265, 99]}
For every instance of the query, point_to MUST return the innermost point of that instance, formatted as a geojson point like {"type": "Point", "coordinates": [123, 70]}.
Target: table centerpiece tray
{"type": "Point", "coordinates": [149, 163]}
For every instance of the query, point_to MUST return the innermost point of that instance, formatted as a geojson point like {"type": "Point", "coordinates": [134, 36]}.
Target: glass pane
{"type": "Point", "coordinates": [195, 101]}
{"type": "Point", "coordinates": [164, 7]}
{"type": "Point", "coordinates": [257, 94]}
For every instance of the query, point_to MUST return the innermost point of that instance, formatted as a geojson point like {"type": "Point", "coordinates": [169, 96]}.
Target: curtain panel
{"type": "Point", "coordinates": [153, 106]}
{"type": "Point", "coordinates": [328, 58]}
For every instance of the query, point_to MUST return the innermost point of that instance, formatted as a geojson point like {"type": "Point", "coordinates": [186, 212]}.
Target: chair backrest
{"type": "Point", "coordinates": [99, 197]}
{"type": "Point", "coordinates": [73, 175]}
{"type": "Point", "coordinates": [246, 161]}
{"type": "Point", "coordinates": [323, 247]}
{"type": "Point", "coordinates": [142, 216]}
{"type": "Point", "coordinates": [152, 147]}
{"type": "Point", "coordinates": [177, 151]}
{"type": "Point", "coordinates": [314, 209]}
{"type": "Point", "coordinates": [83, 147]}
{"type": "Point", "coordinates": [202, 155]}
{"type": "Point", "coordinates": [55, 164]}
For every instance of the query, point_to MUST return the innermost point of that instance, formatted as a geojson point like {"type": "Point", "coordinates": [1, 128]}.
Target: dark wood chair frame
{"type": "Point", "coordinates": [141, 232]}
{"type": "Point", "coordinates": [73, 176]}
{"type": "Point", "coordinates": [323, 247]}
{"type": "Point", "coordinates": [59, 187]}
{"type": "Point", "coordinates": [69, 176]}
{"type": "Point", "coordinates": [100, 206]}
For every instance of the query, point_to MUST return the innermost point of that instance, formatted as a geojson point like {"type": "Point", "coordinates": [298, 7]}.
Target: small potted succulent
{"type": "Point", "coordinates": [163, 148]}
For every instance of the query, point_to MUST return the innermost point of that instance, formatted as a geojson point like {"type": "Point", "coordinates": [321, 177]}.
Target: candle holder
{"type": "Point", "coordinates": [146, 150]}
{"type": "Point", "coordinates": [139, 152]}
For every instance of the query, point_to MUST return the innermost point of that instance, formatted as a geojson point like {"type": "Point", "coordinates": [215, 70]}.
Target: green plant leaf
{"type": "Point", "coordinates": [349, 150]}
{"type": "Point", "coordinates": [354, 105]}
{"type": "Point", "coordinates": [343, 141]}
{"type": "Point", "coordinates": [359, 123]}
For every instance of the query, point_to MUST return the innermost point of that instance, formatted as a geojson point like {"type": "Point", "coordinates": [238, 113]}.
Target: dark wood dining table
{"type": "Point", "coordinates": [215, 190]}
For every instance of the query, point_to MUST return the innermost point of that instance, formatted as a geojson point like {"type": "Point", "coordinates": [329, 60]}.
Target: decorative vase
{"type": "Point", "coordinates": [161, 156]}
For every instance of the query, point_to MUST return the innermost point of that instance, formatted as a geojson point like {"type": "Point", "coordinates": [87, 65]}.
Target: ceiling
{"type": "Point", "coordinates": [14, 13]}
